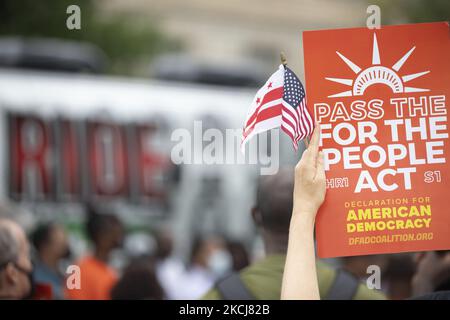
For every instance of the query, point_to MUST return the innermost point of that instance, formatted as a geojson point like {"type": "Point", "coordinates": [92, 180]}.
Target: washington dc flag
{"type": "Point", "coordinates": [281, 102]}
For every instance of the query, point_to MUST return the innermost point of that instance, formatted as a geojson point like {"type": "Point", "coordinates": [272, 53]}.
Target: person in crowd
{"type": "Point", "coordinates": [50, 242]}
{"type": "Point", "coordinates": [431, 280]}
{"type": "Point", "coordinates": [397, 277]}
{"type": "Point", "coordinates": [209, 261]}
{"type": "Point", "coordinates": [96, 277]}
{"type": "Point", "coordinates": [432, 277]}
{"type": "Point", "coordinates": [272, 213]}
{"type": "Point", "coordinates": [357, 265]}
{"type": "Point", "coordinates": [138, 282]}
{"type": "Point", "coordinates": [15, 263]}
{"type": "Point", "coordinates": [239, 255]}
{"type": "Point", "coordinates": [169, 268]}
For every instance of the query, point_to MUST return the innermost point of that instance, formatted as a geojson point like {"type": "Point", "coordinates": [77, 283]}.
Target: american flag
{"type": "Point", "coordinates": [281, 102]}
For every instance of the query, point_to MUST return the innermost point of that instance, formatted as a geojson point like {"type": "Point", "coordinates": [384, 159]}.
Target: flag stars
{"type": "Point", "coordinates": [295, 119]}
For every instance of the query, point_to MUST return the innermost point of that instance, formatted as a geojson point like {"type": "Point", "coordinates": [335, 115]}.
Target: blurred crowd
{"type": "Point", "coordinates": [187, 45]}
{"type": "Point", "coordinates": [35, 266]}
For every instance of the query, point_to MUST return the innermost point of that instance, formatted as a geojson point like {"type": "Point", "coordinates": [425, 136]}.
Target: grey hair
{"type": "Point", "coordinates": [9, 247]}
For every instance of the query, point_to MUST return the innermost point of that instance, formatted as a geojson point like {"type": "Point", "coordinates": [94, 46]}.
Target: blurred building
{"type": "Point", "coordinates": [73, 139]}
{"type": "Point", "coordinates": [234, 32]}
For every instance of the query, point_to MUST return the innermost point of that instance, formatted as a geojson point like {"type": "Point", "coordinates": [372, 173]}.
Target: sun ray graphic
{"type": "Point", "coordinates": [375, 74]}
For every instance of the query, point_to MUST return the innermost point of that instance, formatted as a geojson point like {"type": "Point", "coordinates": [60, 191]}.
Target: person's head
{"type": "Point", "coordinates": [105, 231]}
{"type": "Point", "coordinates": [357, 265]}
{"type": "Point", "coordinates": [164, 244]}
{"type": "Point", "coordinates": [15, 263]}
{"type": "Point", "coordinates": [398, 275]}
{"type": "Point", "coordinates": [209, 252]}
{"type": "Point", "coordinates": [273, 209]}
{"type": "Point", "coordinates": [443, 283]}
{"type": "Point", "coordinates": [50, 241]}
{"type": "Point", "coordinates": [239, 255]}
{"type": "Point", "coordinates": [138, 282]}
{"type": "Point", "coordinates": [433, 268]}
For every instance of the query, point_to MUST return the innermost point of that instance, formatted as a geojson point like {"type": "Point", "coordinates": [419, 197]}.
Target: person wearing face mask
{"type": "Point", "coordinates": [50, 242]}
{"type": "Point", "coordinates": [209, 261]}
{"type": "Point", "coordinates": [168, 266]}
{"type": "Point", "coordinates": [272, 213]}
{"type": "Point", "coordinates": [219, 262]}
{"type": "Point", "coordinates": [96, 276]}
{"type": "Point", "coordinates": [15, 263]}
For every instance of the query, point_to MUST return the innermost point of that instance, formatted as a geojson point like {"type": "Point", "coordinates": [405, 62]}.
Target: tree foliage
{"type": "Point", "coordinates": [125, 39]}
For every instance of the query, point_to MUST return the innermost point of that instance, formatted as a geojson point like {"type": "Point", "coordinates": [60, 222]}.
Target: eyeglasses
{"type": "Point", "coordinates": [23, 270]}
{"type": "Point", "coordinates": [17, 266]}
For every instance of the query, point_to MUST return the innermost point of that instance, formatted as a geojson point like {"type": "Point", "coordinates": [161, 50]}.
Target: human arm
{"type": "Point", "coordinates": [300, 276]}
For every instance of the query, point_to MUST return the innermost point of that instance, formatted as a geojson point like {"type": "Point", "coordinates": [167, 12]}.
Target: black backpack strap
{"type": "Point", "coordinates": [344, 286]}
{"type": "Point", "coordinates": [232, 288]}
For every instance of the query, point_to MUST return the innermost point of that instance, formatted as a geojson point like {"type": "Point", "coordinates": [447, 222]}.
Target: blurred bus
{"type": "Point", "coordinates": [69, 140]}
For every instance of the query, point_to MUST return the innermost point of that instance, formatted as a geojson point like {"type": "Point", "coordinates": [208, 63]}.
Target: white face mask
{"type": "Point", "coordinates": [219, 262]}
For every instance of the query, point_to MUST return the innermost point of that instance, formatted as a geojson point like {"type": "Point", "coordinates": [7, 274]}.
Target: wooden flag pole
{"type": "Point", "coordinates": [306, 141]}
{"type": "Point", "coordinates": [283, 58]}
{"type": "Point", "coordinates": [284, 63]}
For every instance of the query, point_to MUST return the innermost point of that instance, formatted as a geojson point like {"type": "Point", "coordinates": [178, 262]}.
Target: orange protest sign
{"type": "Point", "coordinates": [381, 97]}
